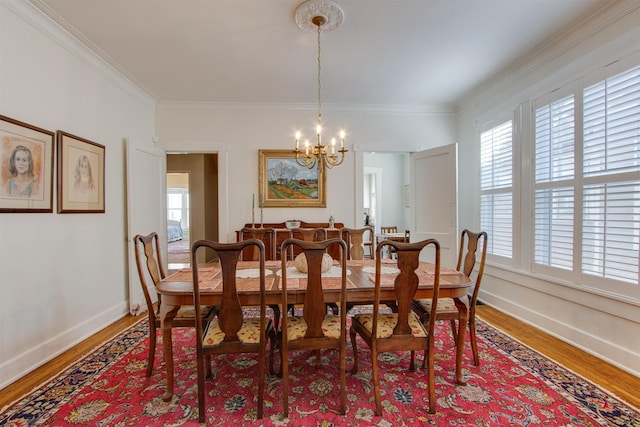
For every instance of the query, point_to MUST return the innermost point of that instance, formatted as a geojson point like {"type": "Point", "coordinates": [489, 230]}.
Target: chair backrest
{"type": "Point", "coordinates": [314, 309]}
{"type": "Point", "coordinates": [149, 245]}
{"type": "Point", "coordinates": [468, 255]}
{"type": "Point", "coordinates": [407, 281]}
{"type": "Point", "coordinates": [385, 230]}
{"type": "Point", "coordinates": [308, 235]}
{"type": "Point", "coordinates": [355, 238]}
{"type": "Point", "coordinates": [268, 237]}
{"type": "Point", "coordinates": [230, 313]}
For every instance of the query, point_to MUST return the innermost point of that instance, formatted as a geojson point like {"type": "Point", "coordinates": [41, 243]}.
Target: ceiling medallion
{"type": "Point", "coordinates": [329, 10]}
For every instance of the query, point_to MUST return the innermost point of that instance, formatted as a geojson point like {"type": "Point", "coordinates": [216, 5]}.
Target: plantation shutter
{"type": "Point", "coordinates": [611, 192]}
{"type": "Point", "coordinates": [496, 188]}
{"type": "Point", "coordinates": [554, 174]}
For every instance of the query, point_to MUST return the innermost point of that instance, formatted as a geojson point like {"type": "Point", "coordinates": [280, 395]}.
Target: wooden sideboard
{"type": "Point", "coordinates": [282, 233]}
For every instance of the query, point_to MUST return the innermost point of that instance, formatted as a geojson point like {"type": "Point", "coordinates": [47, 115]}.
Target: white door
{"type": "Point", "coordinates": [434, 199]}
{"type": "Point", "coordinates": [146, 210]}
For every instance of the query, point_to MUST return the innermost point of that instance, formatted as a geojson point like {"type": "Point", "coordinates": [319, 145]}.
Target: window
{"type": "Point", "coordinates": [611, 164]}
{"type": "Point", "coordinates": [589, 185]}
{"type": "Point", "coordinates": [496, 188]}
{"type": "Point", "coordinates": [554, 181]}
{"type": "Point", "coordinates": [178, 199]}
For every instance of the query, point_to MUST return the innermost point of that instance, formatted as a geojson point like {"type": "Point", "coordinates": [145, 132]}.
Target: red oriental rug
{"type": "Point", "coordinates": [514, 386]}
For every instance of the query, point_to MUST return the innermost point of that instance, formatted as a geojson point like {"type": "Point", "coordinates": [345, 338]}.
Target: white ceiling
{"type": "Point", "coordinates": [387, 52]}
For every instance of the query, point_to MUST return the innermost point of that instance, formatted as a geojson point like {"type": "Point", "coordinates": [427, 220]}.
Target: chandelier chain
{"type": "Point", "coordinates": [319, 82]}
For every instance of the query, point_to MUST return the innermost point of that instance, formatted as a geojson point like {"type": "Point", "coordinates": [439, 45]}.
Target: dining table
{"type": "Point", "coordinates": [176, 290]}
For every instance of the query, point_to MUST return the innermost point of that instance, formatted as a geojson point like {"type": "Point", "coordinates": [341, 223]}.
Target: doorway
{"type": "Point", "coordinates": [372, 197]}
{"type": "Point", "coordinates": [178, 220]}
{"type": "Point", "coordinates": [196, 200]}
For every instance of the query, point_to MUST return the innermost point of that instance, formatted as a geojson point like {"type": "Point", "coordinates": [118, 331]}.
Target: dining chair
{"type": "Point", "coordinates": [446, 308]}
{"type": "Point", "coordinates": [149, 247]}
{"type": "Point", "coordinates": [401, 330]}
{"type": "Point", "coordinates": [316, 234]}
{"type": "Point", "coordinates": [356, 241]}
{"type": "Point", "coordinates": [394, 229]}
{"type": "Point", "coordinates": [266, 234]}
{"type": "Point", "coordinates": [390, 229]}
{"type": "Point", "coordinates": [231, 331]}
{"type": "Point", "coordinates": [313, 328]}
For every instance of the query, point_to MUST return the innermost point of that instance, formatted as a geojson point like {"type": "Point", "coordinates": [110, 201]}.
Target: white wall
{"type": "Point", "coordinates": [604, 325]}
{"type": "Point", "coordinates": [240, 132]}
{"type": "Point", "coordinates": [62, 276]}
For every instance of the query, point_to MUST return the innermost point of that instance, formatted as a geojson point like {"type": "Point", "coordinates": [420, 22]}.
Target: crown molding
{"type": "Point", "coordinates": [44, 19]}
{"type": "Point", "coordinates": [424, 110]}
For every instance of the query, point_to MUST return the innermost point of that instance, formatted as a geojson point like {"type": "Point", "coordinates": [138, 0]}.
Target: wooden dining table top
{"type": "Point", "coordinates": [177, 288]}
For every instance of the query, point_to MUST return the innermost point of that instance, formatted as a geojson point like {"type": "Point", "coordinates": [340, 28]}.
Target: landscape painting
{"type": "Point", "coordinates": [284, 183]}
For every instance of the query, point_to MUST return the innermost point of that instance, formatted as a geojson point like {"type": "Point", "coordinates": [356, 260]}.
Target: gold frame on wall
{"type": "Point", "coordinates": [81, 175]}
{"type": "Point", "coordinates": [20, 142]}
{"type": "Point", "coordinates": [283, 183]}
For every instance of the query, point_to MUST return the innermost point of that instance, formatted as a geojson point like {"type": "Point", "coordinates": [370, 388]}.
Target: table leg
{"type": "Point", "coordinates": [463, 309]}
{"type": "Point", "coordinates": [167, 314]}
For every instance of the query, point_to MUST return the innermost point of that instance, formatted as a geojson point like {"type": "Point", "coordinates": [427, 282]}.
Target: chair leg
{"type": "Point", "coordinates": [354, 369]}
{"type": "Point", "coordinates": [454, 330]}
{"type": "Point", "coordinates": [284, 367]}
{"type": "Point", "coordinates": [201, 394]}
{"type": "Point", "coordinates": [207, 360]}
{"type": "Point", "coordinates": [261, 373]}
{"type": "Point", "coordinates": [276, 315]}
{"type": "Point", "coordinates": [432, 384]}
{"type": "Point", "coordinates": [152, 349]}
{"type": "Point", "coordinates": [412, 366]}
{"type": "Point", "coordinates": [333, 307]}
{"type": "Point", "coordinates": [376, 382]}
{"type": "Point", "coordinates": [272, 338]}
{"type": "Point", "coordinates": [474, 344]}
{"type": "Point", "coordinates": [343, 380]}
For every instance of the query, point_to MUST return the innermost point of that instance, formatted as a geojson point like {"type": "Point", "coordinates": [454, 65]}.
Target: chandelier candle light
{"type": "Point", "coordinates": [319, 15]}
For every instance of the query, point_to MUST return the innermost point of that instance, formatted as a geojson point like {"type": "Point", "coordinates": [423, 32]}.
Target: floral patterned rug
{"type": "Point", "coordinates": [514, 385]}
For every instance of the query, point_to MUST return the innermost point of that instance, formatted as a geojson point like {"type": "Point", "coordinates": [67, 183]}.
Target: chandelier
{"type": "Point", "coordinates": [320, 16]}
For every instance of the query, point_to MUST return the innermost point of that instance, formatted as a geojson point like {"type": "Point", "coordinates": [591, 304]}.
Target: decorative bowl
{"type": "Point", "coordinates": [301, 263]}
{"type": "Point", "coordinates": [292, 224]}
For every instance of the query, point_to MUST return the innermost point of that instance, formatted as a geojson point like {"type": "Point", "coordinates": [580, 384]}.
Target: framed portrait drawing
{"type": "Point", "coordinates": [26, 168]}
{"type": "Point", "coordinates": [285, 184]}
{"type": "Point", "coordinates": [80, 175]}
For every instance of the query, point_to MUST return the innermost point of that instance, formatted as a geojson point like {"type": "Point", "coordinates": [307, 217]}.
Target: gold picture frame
{"type": "Point", "coordinates": [26, 167]}
{"type": "Point", "coordinates": [80, 175]}
{"type": "Point", "coordinates": [284, 183]}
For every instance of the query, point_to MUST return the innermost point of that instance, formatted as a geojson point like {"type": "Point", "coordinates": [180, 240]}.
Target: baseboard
{"type": "Point", "coordinates": [19, 366]}
{"type": "Point", "coordinates": [578, 338]}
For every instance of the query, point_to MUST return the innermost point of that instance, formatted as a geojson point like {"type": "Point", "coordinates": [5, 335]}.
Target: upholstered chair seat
{"type": "Point", "coordinates": [388, 321]}
{"type": "Point", "coordinates": [445, 305]}
{"type": "Point", "coordinates": [249, 332]}
{"type": "Point", "coordinates": [297, 327]}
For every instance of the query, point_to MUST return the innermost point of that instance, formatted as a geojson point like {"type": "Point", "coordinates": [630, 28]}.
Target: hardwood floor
{"type": "Point", "coordinates": [607, 376]}
{"type": "Point", "coordinates": [617, 381]}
